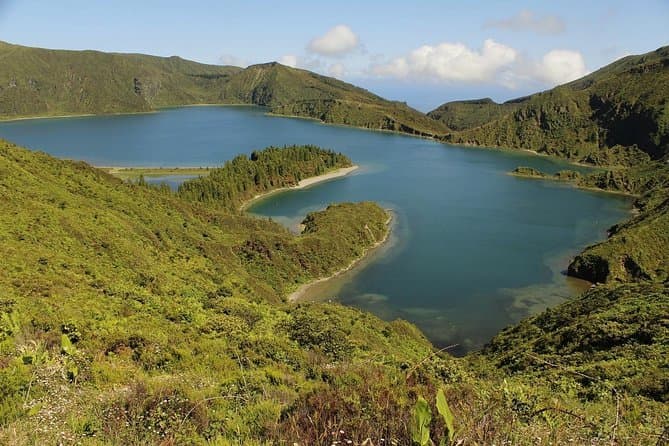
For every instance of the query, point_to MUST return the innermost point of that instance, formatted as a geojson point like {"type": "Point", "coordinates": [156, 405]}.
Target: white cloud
{"type": "Point", "coordinates": [335, 42]}
{"type": "Point", "coordinates": [229, 59]}
{"type": "Point", "coordinates": [527, 21]}
{"type": "Point", "coordinates": [294, 61]}
{"type": "Point", "coordinates": [494, 63]}
{"type": "Point", "coordinates": [451, 62]}
{"type": "Point", "coordinates": [288, 60]}
{"type": "Point", "coordinates": [309, 63]}
{"type": "Point", "coordinates": [560, 66]}
{"type": "Point", "coordinates": [337, 70]}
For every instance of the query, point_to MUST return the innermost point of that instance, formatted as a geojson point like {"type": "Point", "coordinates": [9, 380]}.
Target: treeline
{"type": "Point", "coordinates": [272, 168]}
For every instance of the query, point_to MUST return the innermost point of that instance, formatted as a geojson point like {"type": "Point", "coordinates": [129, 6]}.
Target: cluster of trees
{"type": "Point", "coordinates": [244, 177]}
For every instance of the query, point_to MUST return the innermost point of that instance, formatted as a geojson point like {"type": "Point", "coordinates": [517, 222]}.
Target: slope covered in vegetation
{"type": "Point", "coordinates": [295, 92]}
{"type": "Point", "coordinates": [612, 336]}
{"type": "Point", "coordinates": [133, 316]}
{"type": "Point", "coordinates": [39, 82]}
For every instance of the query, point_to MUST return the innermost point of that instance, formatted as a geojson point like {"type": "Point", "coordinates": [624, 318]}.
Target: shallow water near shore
{"type": "Point", "coordinates": [472, 250]}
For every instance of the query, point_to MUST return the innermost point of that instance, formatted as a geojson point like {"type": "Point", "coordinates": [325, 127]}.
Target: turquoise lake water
{"type": "Point", "coordinates": [473, 249]}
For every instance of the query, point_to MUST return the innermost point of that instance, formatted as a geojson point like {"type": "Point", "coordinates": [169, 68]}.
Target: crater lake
{"type": "Point", "coordinates": [473, 249]}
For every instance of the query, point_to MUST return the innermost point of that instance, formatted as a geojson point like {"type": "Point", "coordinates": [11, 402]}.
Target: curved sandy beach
{"type": "Point", "coordinates": [302, 184]}
{"type": "Point", "coordinates": [302, 289]}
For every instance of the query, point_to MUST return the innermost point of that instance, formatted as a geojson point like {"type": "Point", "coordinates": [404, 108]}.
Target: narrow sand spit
{"type": "Point", "coordinates": [302, 184]}
{"type": "Point", "coordinates": [297, 294]}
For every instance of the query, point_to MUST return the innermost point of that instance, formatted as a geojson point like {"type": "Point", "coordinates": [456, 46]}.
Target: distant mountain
{"type": "Point", "coordinates": [616, 115]}
{"type": "Point", "coordinates": [36, 82]}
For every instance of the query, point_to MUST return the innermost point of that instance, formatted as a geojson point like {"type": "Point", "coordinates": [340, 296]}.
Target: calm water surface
{"type": "Point", "coordinates": [473, 249]}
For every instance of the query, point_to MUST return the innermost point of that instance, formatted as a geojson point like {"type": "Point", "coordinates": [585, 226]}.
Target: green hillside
{"type": "Point", "coordinates": [132, 316]}
{"type": "Point", "coordinates": [42, 82]}
{"type": "Point", "coordinates": [37, 82]}
{"type": "Point", "coordinates": [611, 339]}
{"type": "Point", "coordinates": [295, 92]}
{"type": "Point", "coordinates": [617, 115]}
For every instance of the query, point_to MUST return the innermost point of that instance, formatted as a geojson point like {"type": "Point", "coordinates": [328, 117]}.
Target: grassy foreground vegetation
{"type": "Point", "coordinates": [133, 316]}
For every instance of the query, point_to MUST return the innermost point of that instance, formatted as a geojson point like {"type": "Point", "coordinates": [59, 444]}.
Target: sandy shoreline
{"type": "Point", "coordinates": [302, 289]}
{"type": "Point", "coordinates": [122, 113]}
{"type": "Point", "coordinates": [302, 184]}
{"type": "Point", "coordinates": [155, 171]}
{"type": "Point", "coordinates": [548, 177]}
{"type": "Point", "coordinates": [75, 115]}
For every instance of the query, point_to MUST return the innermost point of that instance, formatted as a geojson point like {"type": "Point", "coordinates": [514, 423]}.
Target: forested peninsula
{"type": "Point", "coordinates": [243, 178]}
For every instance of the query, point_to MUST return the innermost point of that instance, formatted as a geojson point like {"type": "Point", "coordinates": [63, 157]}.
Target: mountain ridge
{"type": "Point", "coordinates": [98, 82]}
{"type": "Point", "coordinates": [617, 115]}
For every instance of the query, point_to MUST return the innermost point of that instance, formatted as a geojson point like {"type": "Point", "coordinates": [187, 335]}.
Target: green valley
{"type": "Point", "coordinates": [132, 314]}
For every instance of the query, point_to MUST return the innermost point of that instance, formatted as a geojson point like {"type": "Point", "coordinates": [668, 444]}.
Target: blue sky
{"type": "Point", "coordinates": [423, 52]}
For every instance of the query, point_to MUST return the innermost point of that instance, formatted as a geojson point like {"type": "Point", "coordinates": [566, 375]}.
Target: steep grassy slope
{"type": "Point", "coordinates": [609, 338]}
{"type": "Point", "coordinates": [616, 115]}
{"type": "Point", "coordinates": [290, 91]}
{"type": "Point", "coordinates": [36, 82]}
